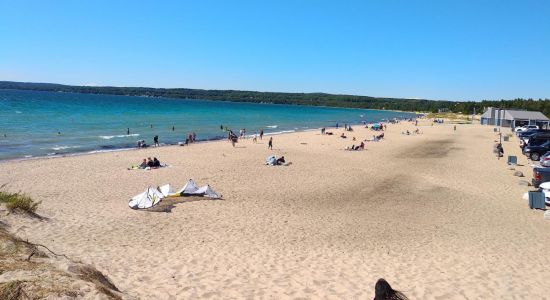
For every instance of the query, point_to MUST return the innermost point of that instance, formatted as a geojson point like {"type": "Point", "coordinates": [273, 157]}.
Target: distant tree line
{"type": "Point", "coordinates": [314, 99]}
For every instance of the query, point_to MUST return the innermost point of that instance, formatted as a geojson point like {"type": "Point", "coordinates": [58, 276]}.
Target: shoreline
{"type": "Point", "coordinates": [75, 154]}
{"type": "Point", "coordinates": [92, 152]}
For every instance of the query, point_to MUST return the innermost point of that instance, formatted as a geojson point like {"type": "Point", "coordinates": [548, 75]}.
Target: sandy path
{"type": "Point", "coordinates": [435, 214]}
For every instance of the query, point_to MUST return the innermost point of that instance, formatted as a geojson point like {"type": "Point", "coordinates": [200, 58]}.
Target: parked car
{"type": "Point", "coordinates": [526, 127]}
{"type": "Point", "coordinates": [527, 132]}
{"type": "Point", "coordinates": [535, 152]}
{"type": "Point", "coordinates": [525, 135]}
{"type": "Point", "coordinates": [535, 139]}
{"type": "Point", "coordinates": [540, 175]}
{"type": "Point", "coordinates": [545, 160]}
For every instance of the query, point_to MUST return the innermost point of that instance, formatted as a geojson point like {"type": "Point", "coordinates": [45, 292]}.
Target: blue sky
{"type": "Point", "coordinates": [456, 50]}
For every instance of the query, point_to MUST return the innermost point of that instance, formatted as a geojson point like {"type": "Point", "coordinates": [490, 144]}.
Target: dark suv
{"type": "Point", "coordinates": [535, 139]}
{"type": "Point", "coordinates": [536, 150]}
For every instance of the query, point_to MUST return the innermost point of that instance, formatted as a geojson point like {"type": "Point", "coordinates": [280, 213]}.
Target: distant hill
{"type": "Point", "coordinates": [313, 99]}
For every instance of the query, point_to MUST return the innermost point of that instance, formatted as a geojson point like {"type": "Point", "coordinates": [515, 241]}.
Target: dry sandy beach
{"type": "Point", "coordinates": [435, 214]}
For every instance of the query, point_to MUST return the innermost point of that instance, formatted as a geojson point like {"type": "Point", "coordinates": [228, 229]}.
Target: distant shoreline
{"type": "Point", "coordinates": [305, 99]}
{"type": "Point", "coordinates": [225, 101]}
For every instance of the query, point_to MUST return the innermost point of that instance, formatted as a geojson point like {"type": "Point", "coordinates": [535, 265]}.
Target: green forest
{"type": "Point", "coordinates": [314, 99]}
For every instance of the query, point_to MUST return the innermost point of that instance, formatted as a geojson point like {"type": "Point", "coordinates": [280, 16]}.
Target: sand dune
{"type": "Point", "coordinates": [435, 214]}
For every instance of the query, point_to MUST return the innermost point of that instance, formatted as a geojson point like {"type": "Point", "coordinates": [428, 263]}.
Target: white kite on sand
{"type": "Point", "coordinates": [152, 196]}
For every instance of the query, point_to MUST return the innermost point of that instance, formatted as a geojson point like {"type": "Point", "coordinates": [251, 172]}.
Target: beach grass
{"type": "Point", "coordinates": [452, 117]}
{"type": "Point", "coordinates": [18, 202]}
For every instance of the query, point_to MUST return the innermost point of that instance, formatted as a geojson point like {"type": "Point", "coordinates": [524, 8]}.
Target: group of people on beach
{"type": "Point", "coordinates": [361, 146]}
{"type": "Point", "coordinates": [148, 163]}
{"type": "Point", "coordinates": [356, 148]}
{"type": "Point", "coordinates": [234, 138]}
{"type": "Point", "coordinates": [416, 131]}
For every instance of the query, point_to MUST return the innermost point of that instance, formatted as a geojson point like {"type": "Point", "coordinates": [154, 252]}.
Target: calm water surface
{"type": "Point", "coordinates": [50, 123]}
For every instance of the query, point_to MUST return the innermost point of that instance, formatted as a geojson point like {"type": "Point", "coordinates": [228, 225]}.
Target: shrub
{"type": "Point", "coordinates": [18, 202]}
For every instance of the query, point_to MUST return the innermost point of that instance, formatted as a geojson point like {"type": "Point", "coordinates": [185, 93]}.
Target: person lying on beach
{"type": "Point", "coordinates": [280, 160]}
{"type": "Point", "coordinates": [343, 135]}
{"type": "Point", "coordinates": [356, 148]}
{"type": "Point", "coordinates": [329, 133]}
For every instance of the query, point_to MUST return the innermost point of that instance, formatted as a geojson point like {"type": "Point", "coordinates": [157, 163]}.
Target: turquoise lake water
{"type": "Point", "coordinates": [30, 121]}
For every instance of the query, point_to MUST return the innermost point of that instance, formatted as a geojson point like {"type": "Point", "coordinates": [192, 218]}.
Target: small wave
{"type": "Point", "coordinates": [57, 148]}
{"type": "Point", "coordinates": [109, 150]}
{"type": "Point", "coordinates": [280, 132]}
{"type": "Point", "coordinates": [272, 126]}
{"type": "Point", "coordinates": [18, 112]}
{"type": "Point", "coordinates": [108, 137]}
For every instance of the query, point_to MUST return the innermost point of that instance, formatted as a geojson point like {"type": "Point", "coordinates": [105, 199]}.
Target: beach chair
{"type": "Point", "coordinates": [512, 160]}
{"type": "Point", "coordinates": [536, 200]}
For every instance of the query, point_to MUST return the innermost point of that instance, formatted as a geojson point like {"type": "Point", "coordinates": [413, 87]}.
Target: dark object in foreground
{"type": "Point", "coordinates": [384, 291]}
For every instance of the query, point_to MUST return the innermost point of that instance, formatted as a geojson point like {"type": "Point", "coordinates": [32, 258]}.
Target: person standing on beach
{"type": "Point", "coordinates": [261, 133]}
{"type": "Point", "coordinates": [336, 125]}
{"type": "Point", "coordinates": [128, 131]}
{"type": "Point", "coordinates": [194, 137]}
{"type": "Point", "coordinates": [270, 143]}
{"type": "Point", "coordinates": [455, 128]}
{"type": "Point", "coordinates": [156, 140]}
